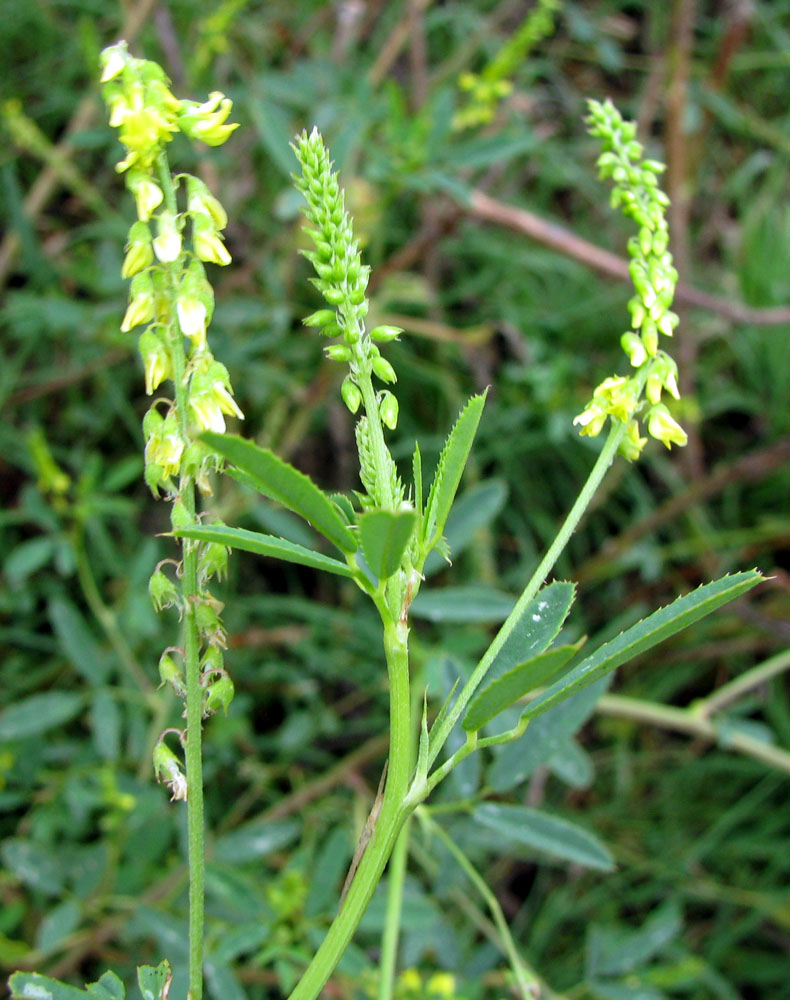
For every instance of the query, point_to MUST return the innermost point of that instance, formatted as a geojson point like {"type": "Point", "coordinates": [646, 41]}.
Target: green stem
{"type": "Point", "coordinates": [599, 470]}
{"type": "Point", "coordinates": [391, 935]}
{"type": "Point", "coordinates": [690, 722]}
{"type": "Point", "coordinates": [390, 821]}
{"type": "Point", "coordinates": [528, 982]}
{"type": "Point", "coordinates": [196, 857]}
{"type": "Point", "coordinates": [747, 681]}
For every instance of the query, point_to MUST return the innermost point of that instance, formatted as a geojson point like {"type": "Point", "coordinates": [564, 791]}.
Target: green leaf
{"type": "Point", "coordinates": [550, 835]}
{"type": "Point", "coordinates": [450, 468]}
{"type": "Point", "coordinates": [384, 537]}
{"type": "Point", "coordinates": [77, 641]}
{"type": "Point", "coordinates": [38, 714]}
{"type": "Point", "coordinates": [108, 987]}
{"type": "Point", "coordinates": [255, 840]}
{"type": "Point", "coordinates": [264, 545]}
{"type": "Point", "coordinates": [507, 689]}
{"type": "Point", "coordinates": [644, 635]}
{"type": "Point", "coordinates": [280, 481]}
{"type": "Point", "coordinates": [58, 923]}
{"type": "Point", "coordinates": [544, 738]}
{"type": "Point", "coordinates": [154, 981]}
{"type": "Point", "coordinates": [34, 986]}
{"type": "Point", "coordinates": [463, 605]}
{"type": "Point", "coordinates": [535, 629]}
{"type": "Point", "coordinates": [616, 951]}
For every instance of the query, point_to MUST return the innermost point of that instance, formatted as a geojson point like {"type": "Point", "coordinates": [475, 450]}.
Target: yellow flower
{"type": "Point", "coordinates": [167, 245]}
{"type": "Point", "coordinates": [207, 242]}
{"type": "Point", "coordinates": [664, 428]}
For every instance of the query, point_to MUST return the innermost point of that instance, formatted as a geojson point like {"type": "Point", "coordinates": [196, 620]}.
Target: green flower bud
{"type": "Point", "coordinates": [180, 516]}
{"type": "Point", "coordinates": [384, 370]}
{"type": "Point", "coordinates": [338, 352]}
{"type": "Point", "coordinates": [148, 195]}
{"type": "Point", "coordinates": [384, 334]}
{"type": "Point", "coordinates": [334, 296]}
{"type": "Point", "coordinates": [388, 410]}
{"type": "Point", "coordinates": [321, 318]}
{"type": "Point", "coordinates": [632, 444]}
{"type": "Point", "coordinates": [352, 397]}
{"type": "Point", "coordinates": [634, 348]}
{"type": "Point", "coordinates": [139, 253]}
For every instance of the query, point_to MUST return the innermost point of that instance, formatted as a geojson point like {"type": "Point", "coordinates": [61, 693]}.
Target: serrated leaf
{"type": "Point", "coordinates": [515, 683]}
{"type": "Point", "coordinates": [450, 467]}
{"type": "Point", "coordinates": [154, 981]}
{"type": "Point", "coordinates": [535, 629]}
{"type": "Point", "coordinates": [548, 834]}
{"type": "Point", "coordinates": [644, 635]}
{"type": "Point", "coordinates": [280, 481]}
{"type": "Point", "coordinates": [384, 537]}
{"type": "Point", "coordinates": [264, 545]}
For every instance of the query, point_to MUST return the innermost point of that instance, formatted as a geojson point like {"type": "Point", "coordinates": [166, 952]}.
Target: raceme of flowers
{"type": "Point", "coordinates": [637, 194]}
{"type": "Point", "coordinates": [171, 297]}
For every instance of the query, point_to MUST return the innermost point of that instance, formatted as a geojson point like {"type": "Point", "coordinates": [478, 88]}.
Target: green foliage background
{"type": "Point", "coordinates": [92, 852]}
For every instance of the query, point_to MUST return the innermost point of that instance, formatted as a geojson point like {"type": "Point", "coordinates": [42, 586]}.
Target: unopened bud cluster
{"type": "Point", "coordinates": [637, 194]}
{"type": "Point", "coordinates": [170, 296]}
{"type": "Point", "coordinates": [342, 280]}
{"type": "Point", "coordinates": [487, 89]}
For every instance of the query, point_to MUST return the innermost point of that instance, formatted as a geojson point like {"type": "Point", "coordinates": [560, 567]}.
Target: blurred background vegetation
{"type": "Point", "coordinates": [458, 131]}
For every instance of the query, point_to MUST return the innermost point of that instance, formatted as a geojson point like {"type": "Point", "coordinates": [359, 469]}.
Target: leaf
{"type": "Point", "coordinates": [222, 982]}
{"type": "Point", "coordinates": [255, 840]}
{"type": "Point", "coordinates": [544, 738]}
{"type": "Point", "coordinates": [520, 680]}
{"type": "Point", "coordinates": [535, 629]}
{"type": "Point", "coordinates": [57, 924]}
{"type": "Point", "coordinates": [572, 764]}
{"type": "Point", "coordinates": [264, 545]}
{"type": "Point", "coordinates": [108, 987]}
{"type": "Point", "coordinates": [548, 834]}
{"type": "Point", "coordinates": [644, 635]}
{"type": "Point", "coordinates": [384, 537]}
{"type": "Point", "coordinates": [77, 641]}
{"type": "Point", "coordinates": [38, 714]}
{"type": "Point", "coordinates": [476, 508]}
{"type": "Point", "coordinates": [34, 986]}
{"type": "Point", "coordinates": [463, 605]}
{"type": "Point", "coordinates": [280, 481]}
{"type": "Point", "coordinates": [618, 950]}
{"type": "Point", "coordinates": [450, 467]}
{"type": "Point", "coordinates": [154, 981]}
{"type": "Point", "coordinates": [28, 557]}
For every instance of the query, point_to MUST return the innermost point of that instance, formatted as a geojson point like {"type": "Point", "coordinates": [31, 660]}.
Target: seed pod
{"type": "Point", "coordinates": [352, 397]}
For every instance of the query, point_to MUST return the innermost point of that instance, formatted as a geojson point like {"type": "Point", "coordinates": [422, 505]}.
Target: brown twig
{"type": "Point", "coordinates": [558, 238]}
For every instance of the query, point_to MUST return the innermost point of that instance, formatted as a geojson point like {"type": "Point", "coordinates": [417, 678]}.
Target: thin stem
{"type": "Point", "coordinates": [391, 819]}
{"type": "Point", "coordinates": [196, 859]}
{"type": "Point", "coordinates": [745, 682]}
{"type": "Point", "coordinates": [599, 470]}
{"type": "Point", "coordinates": [391, 935]}
{"type": "Point", "coordinates": [528, 982]}
{"type": "Point", "coordinates": [690, 722]}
